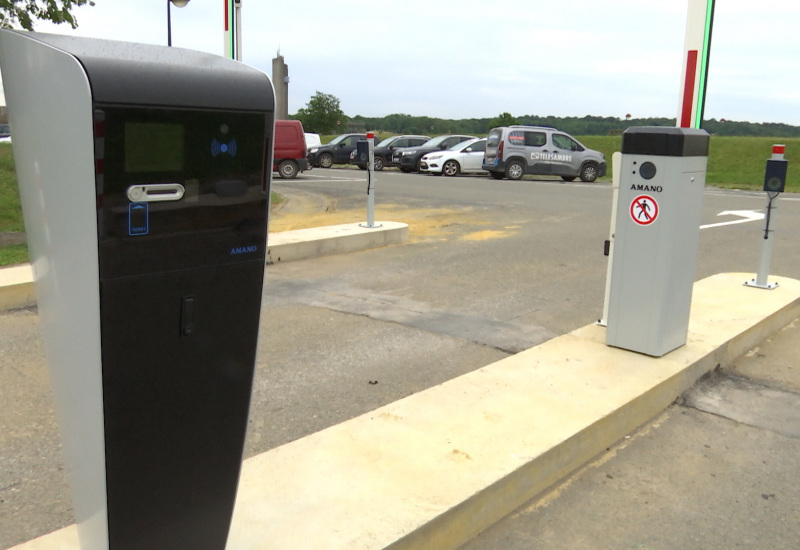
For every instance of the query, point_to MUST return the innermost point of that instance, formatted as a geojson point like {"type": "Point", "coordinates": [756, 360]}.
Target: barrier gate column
{"type": "Point", "coordinates": [659, 209]}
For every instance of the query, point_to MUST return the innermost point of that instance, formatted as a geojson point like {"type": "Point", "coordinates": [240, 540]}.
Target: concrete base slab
{"type": "Point", "coordinates": [333, 239]}
{"type": "Point", "coordinates": [16, 287]}
{"type": "Point", "coordinates": [434, 469]}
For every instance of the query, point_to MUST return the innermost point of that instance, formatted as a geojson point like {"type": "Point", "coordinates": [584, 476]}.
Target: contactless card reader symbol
{"type": "Point", "coordinates": [223, 148]}
{"type": "Point", "coordinates": [138, 218]}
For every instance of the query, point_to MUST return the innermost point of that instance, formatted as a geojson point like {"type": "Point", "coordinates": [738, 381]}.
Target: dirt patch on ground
{"type": "Point", "coordinates": [12, 238]}
{"type": "Point", "coordinates": [306, 211]}
{"type": "Point", "coordinates": [489, 234]}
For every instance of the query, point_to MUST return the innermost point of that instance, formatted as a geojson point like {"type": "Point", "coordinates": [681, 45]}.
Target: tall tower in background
{"type": "Point", "coordinates": [280, 79]}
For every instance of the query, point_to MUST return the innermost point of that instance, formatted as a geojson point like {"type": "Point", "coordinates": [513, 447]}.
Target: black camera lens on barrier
{"type": "Point", "coordinates": [647, 170]}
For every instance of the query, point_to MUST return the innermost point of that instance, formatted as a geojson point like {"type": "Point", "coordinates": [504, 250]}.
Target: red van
{"type": "Point", "coordinates": [290, 155]}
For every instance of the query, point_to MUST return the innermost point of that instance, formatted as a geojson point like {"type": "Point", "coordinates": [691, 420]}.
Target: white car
{"type": "Point", "coordinates": [312, 139]}
{"type": "Point", "coordinates": [464, 158]}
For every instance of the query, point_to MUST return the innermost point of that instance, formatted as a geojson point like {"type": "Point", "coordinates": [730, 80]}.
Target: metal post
{"type": "Point", "coordinates": [169, 24]}
{"type": "Point", "coordinates": [766, 249]}
{"type": "Point", "coordinates": [371, 184]}
{"type": "Point", "coordinates": [178, 4]}
{"type": "Point", "coordinates": [774, 182]}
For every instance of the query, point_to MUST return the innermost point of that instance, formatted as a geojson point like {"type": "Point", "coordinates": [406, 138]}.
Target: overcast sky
{"type": "Point", "coordinates": [477, 58]}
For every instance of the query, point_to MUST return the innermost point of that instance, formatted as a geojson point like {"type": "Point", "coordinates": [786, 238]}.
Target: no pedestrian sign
{"type": "Point", "coordinates": [644, 210]}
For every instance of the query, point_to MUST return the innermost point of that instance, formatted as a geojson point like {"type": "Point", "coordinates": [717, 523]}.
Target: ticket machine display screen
{"type": "Point", "coordinates": [154, 147]}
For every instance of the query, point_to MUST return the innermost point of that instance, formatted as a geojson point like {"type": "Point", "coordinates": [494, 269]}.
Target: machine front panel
{"type": "Point", "coordinates": [178, 189]}
{"type": "Point", "coordinates": [178, 359]}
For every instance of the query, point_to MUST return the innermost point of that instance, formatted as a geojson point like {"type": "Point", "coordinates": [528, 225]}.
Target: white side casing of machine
{"type": "Point", "coordinates": [57, 190]}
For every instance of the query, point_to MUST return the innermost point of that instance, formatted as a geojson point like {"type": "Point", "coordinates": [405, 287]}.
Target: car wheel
{"type": "Point", "coordinates": [325, 160]}
{"type": "Point", "coordinates": [497, 175]}
{"type": "Point", "coordinates": [378, 165]}
{"type": "Point", "coordinates": [406, 169]}
{"type": "Point", "coordinates": [515, 170]}
{"type": "Point", "coordinates": [451, 168]}
{"type": "Point", "coordinates": [568, 178]}
{"type": "Point", "coordinates": [589, 172]}
{"type": "Point", "coordinates": [287, 169]}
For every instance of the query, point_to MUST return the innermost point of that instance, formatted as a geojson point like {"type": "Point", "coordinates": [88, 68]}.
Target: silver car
{"type": "Point", "coordinates": [464, 158]}
{"type": "Point", "coordinates": [513, 151]}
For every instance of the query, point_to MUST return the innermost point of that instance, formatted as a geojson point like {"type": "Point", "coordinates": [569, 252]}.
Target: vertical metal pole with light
{"type": "Point", "coordinates": [774, 184]}
{"type": "Point", "coordinates": [370, 154]}
{"type": "Point", "coordinates": [178, 4]}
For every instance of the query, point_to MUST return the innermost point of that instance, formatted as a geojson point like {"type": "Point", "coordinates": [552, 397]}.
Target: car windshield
{"type": "Point", "coordinates": [463, 145]}
{"type": "Point", "coordinates": [388, 141]}
{"type": "Point", "coordinates": [337, 139]}
{"type": "Point", "coordinates": [435, 141]}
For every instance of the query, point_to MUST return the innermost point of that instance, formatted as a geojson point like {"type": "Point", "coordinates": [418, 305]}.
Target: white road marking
{"type": "Point", "coordinates": [745, 216]}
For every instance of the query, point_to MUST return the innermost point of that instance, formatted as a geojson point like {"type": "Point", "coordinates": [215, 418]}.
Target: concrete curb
{"type": "Point", "coordinates": [17, 288]}
{"type": "Point", "coordinates": [301, 244]}
{"type": "Point", "coordinates": [434, 469]}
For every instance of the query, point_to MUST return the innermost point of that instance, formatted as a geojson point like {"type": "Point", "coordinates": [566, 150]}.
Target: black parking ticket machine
{"type": "Point", "coordinates": [144, 175]}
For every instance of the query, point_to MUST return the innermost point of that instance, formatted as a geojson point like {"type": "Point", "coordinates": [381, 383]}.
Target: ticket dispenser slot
{"type": "Point", "coordinates": [145, 201]}
{"type": "Point", "coordinates": [155, 192]}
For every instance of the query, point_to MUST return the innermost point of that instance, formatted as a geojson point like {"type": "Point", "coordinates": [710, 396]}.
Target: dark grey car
{"type": "Point", "coordinates": [385, 149]}
{"type": "Point", "coordinates": [337, 151]}
{"type": "Point", "coordinates": [513, 151]}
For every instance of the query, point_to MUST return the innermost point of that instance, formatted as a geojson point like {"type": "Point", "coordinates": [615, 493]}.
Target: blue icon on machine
{"type": "Point", "coordinates": [138, 218]}
{"type": "Point", "coordinates": [223, 148]}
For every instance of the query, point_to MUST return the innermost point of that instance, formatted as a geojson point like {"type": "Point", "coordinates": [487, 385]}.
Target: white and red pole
{"type": "Point", "coordinates": [232, 29]}
{"type": "Point", "coordinates": [696, 51]}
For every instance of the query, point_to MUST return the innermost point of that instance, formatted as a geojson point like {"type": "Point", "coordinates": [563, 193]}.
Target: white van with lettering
{"type": "Point", "coordinates": [513, 151]}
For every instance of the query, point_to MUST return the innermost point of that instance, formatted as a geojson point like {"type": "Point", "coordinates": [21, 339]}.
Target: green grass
{"type": "Point", "coordinates": [14, 254]}
{"type": "Point", "coordinates": [10, 210]}
{"type": "Point", "coordinates": [739, 162]}
{"type": "Point", "coordinates": [733, 163]}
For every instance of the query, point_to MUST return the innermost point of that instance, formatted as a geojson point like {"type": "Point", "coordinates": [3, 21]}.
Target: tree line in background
{"type": "Point", "coordinates": [323, 115]}
{"type": "Point", "coordinates": [25, 12]}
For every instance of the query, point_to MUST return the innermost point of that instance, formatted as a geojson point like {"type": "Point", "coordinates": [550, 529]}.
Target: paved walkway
{"type": "Point", "coordinates": [717, 470]}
